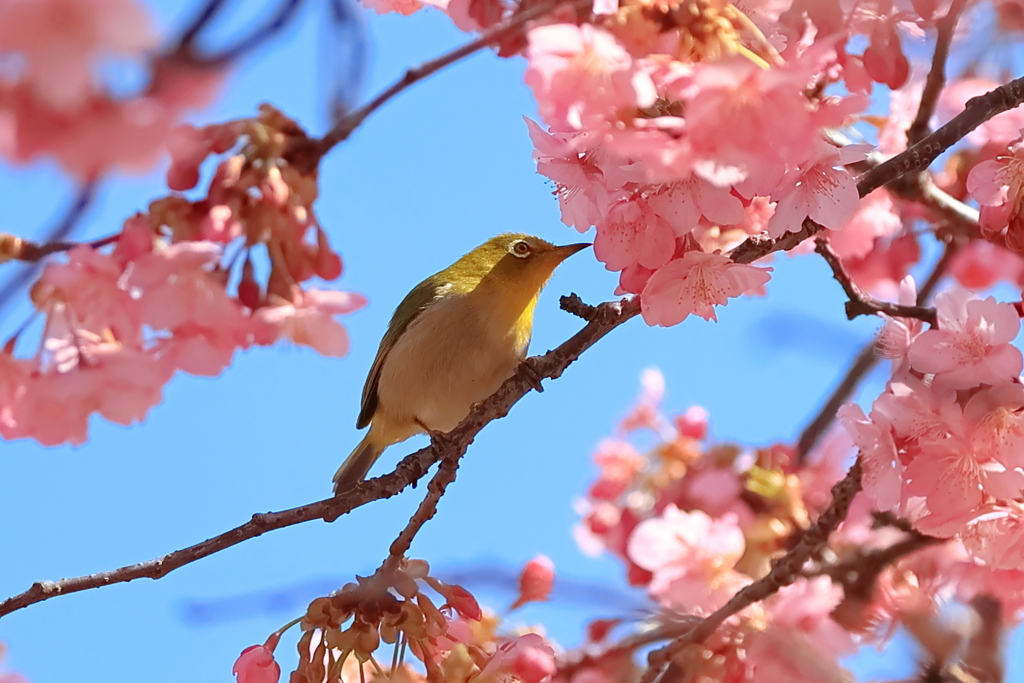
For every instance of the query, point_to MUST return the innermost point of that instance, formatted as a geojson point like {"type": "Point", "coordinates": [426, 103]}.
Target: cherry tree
{"type": "Point", "coordinates": [695, 140]}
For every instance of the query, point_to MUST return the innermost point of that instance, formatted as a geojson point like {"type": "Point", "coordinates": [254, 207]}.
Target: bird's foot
{"type": "Point", "coordinates": [439, 441]}
{"type": "Point", "coordinates": [529, 371]}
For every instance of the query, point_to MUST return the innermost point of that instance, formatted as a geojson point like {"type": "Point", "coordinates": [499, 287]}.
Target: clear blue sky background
{"type": "Point", "coordinates": [437, 171]}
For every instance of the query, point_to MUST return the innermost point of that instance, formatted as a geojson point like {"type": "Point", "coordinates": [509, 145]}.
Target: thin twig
{"type": "Point", "coordinates": [305, 155]}
{"type": "Point", "coordinates": [858, 575]}
{"type": "Point", "coordinates": [450, 453]}
{"type": "Point", "coordinates": [57, 234]}
{"type": "Point", "coordinates": [936, 79]}
{"type": "Point", "coordinates": [861, 366]}
{"type": "Point", "coordinates": [18, 249]}
{"type": "Point", "coordinates": [858, 302]}
{"type": "Point", "coordinates": [913, 160]}
{"type": "Point", "coordinates": [552, 364]}
{"type": "Point", "coordinates": [784, 572]}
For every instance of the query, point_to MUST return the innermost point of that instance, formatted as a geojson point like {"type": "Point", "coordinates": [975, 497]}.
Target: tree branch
{"type": "Point", "coordinates": [858, 575]}
{"type": "Point", "coordinates": [411, 469]}
{"type": "Point", "coordinates": [860, 303]}
{"type": "Point", "coordinates": [450, 453]}
{"type": "Point", "coordinates": [936, 79]}
{"type": "Point", "coordinates": [306, 154]}
{"type": "Point", "coordinates": [784, 572]}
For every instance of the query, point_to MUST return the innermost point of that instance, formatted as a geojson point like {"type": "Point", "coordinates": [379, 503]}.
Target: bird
{"type": "Point", "coordinates": [452, 341]}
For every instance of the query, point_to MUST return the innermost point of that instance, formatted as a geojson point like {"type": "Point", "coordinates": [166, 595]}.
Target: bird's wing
{"type": "Point", "coordinates": [414, 303]}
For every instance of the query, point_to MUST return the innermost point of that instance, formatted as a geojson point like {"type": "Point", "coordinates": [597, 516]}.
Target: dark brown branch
{"type": "Point", "coordinates": [606, 318]}
{"type": "Point", "coordinates": [860, 303]}
{"type": "Point", "coordinates": [936, 79]}
{"type": "Point", "coordinates": [784, 572]}
{"type": "Point", "coordinates": [14, 248]}
{"type": "Point", "coordinates": [573, 304]}
{"type": "Point", "coordinates": [449, 452]}
{"type": "Point", "coordinates": [307, 154]}
{"type": "Point", "coordinates": [913, 160]}
{"type": "Point", "coordinates": [862, 365]}
{"type": "Point", "coordinates": [858, 575]}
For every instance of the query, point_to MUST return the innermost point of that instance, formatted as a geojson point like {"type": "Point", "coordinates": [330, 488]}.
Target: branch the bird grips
{"type": "Point", "coordinates": [451, 343]}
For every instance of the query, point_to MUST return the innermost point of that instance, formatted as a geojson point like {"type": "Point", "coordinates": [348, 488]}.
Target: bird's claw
{"type": "Point", "coordinates": [531, 374]}
{"type": "Point", "coordinates": [439, 441]}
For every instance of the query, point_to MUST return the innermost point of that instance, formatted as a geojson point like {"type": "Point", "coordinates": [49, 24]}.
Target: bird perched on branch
{"type": "Point", "coordinates": [454, 339]}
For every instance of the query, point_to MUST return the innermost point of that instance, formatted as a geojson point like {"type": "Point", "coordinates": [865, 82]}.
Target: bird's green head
{"type": "Point", "coordinates": [511, 259]}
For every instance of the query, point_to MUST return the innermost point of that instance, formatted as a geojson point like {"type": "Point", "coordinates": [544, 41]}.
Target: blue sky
{"type": "Point", "coordinates": [437, 171]}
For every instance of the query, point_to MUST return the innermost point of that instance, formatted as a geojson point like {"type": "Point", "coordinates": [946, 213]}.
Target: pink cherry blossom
{"type": "Point", "coordinates": [683, 203]}
{"type": "Point", "coordinates": [897, 334]}
{"type": "Point", "coordinates": [92, 285]}
{"type": "Point", "coordinates": [921, 414]}
{"type": "Point", "coordinates": [60, 41]}
{"type": "Point", "coordinates": [310, 321]}
{"type": "Point", "coordinates": [753, 119]}
{"type": "Point", "coordinates": [980, 265]}
{"type": "Point", "coordinates": [884, 58]}
{"type": "Point", "coordinates": [694, 284]}
{"type": "Point", "coordinates": [646, 412]}
{"type": "Point", "coordinates": [998, 185]}
{"type": "Point", "coordinates": [179, 292]}
{"type": "Point", "coordinates": [535, 581]}
{"type": "Point", "coordinates": [997, 536]}
{"type": "Point", "coordinates": [581, 191]}
{"type": "Point", "coordinates": [619, 464]}
{"type": "Point", "coordinates": [819, 189]}
{"type": "Point", "coordinates": [994, 424]}
{"type": "Point", "coordinates": [883, 471]}
{"type": "Point", "coordinates": [582, 76]}
{"type": "Point", "coordinates": [802, 642]}
{"type": "Point", "coordinates": [949, 479]}
{"type": "Point", "coordinates": [875, 217]}
{"type": "Point", "coordinates": [690, 554]}
{"type": "Point", "coordinates": [54, 408]}
{"type": "Point", "coordinates": [528, 658]}
{"type": "Point", "coordinates": [403, 7]}
{"type": "Point", "coordinates": [972, 343]}
{"type": "Point", "coordinates": [633, 233]}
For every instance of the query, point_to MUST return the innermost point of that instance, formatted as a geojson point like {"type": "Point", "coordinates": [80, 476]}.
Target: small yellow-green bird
{"type": "Point", "coordinates": [451, 343]}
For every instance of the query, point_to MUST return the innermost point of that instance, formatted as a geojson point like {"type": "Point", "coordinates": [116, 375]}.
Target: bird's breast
{"type": "Point", "coordinates": [454, 354]}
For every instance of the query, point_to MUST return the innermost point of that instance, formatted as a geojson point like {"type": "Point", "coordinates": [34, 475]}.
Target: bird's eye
{"type": "Point", "coordinates": [521, 249]}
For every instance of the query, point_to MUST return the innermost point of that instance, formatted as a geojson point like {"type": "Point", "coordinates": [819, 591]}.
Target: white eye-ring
{"type": "Point", "coordinates": [520, 249]}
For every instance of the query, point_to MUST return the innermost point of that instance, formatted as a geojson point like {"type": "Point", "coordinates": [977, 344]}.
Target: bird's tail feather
{"type": "Point", "coordinates": [356, 465]}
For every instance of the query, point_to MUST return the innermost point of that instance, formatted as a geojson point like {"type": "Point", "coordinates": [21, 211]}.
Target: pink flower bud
{"type": "Point", "coordinates": [535, 581]}
{"type": "Point", "coordinates": [463, 602]}
{"type": "Point", "coordinates": [256, 663]}
{"type": "Point", "coordinates": [693, 423]}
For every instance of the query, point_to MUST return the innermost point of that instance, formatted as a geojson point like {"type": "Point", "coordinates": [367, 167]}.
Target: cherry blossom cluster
{"type": "Point", "coordinates": [943, 445]}
{"type": "Point", "coordinates": [694, 522]}
{"type": "Point", "coordinates": [454, 641]}
{"type": "Point", "coordinates": [54, 103]}
{"type": "Point", "coordinates": [179, 289]}
{"type": "Point", "coordinates": [680, 128]}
